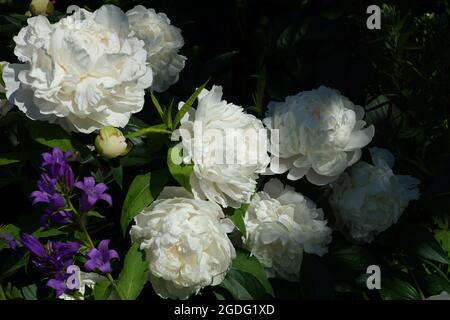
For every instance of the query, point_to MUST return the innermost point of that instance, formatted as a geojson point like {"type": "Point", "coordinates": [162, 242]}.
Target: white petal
{"type": "Point", "coordinates": [361, 138]}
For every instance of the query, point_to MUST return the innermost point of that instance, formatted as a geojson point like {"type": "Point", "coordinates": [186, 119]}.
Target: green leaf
{"type": "Point", "coordinates": [143, 190]}
{"type": "Point", "coordinates": [29, 292]}
{"type": "Point", "coordinates": [158, 107]}
{"type": "Point", "coordinates": [12, 265]}
{"type": "Point", "coordinates": [316, 281]}
{"type": "Point", "coordinates": [353, 257]}
{"type": "Point", "coordinates": [117, 173]}
{"type": "Point", "coordinates": [95, 214]}
{"type": "Point", "coordinates": [9, 229]}
{"type": "Point", "coordinates": [181, 172]}
{"type": "Point", "coordinates": [243, 285]}
{"type": "Point", "coordinates": [187, 105]}
{"type": "Point", "coordinates": [8, 158]}
{"type": "Point", "coordinates": [102, 290]}
{"type": "Point", "coordinates": [420, 241]}
{"type": "Point", "coordinates": [396, 289]}
{"type": "Point", "coordinates": [51, 135]}
{"type": "Point", "coordinates": [244, 262]}
{"type": "Point", "coordinates": [432, 283]}
{"type": "Point", "coordinates": [11, 292]}
{"type": "Point", "coordinates": [46, 233]}
{"type": "Point", "coordinates": [134, 274]}
{"type": "Point", "coordinates": [237, 216]}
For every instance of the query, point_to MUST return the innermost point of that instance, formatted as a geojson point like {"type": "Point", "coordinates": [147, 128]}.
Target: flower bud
{"type": "Point", "coordinates": [41, 7]}
{"type": "Point", "coordinates": [110, 143]}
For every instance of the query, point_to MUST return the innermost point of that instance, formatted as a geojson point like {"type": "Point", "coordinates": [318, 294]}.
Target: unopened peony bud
{"type": "Point", "coordinates": [41, 7]}
{"type": "Point", "coordinates": [110, 143]}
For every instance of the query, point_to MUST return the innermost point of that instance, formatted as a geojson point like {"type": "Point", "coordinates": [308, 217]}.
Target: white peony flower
{"type": "Point", "coordinates": [5, 105]}
{"type": "Point", "coordinates": [78, 281]}
{"type": "Point", "coordinates": [442, 296]}
{"type": "Point", "coordinates": [185, 242]}
{"type": "Point", "coordinates": [162, 42]}
{"type": "Point", "coordinates": [368, 199]}
{"type": "Point", "coordinates": [84, 72]}
{"type": "Point", "coordinates": [227, 147]}
{"type": "Point", "coordinates": [280, 225]}
{"type": "Point", "coordinates": [320, 134]}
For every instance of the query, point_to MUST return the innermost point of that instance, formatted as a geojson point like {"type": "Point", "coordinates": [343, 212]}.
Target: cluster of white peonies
{"type": "Point", "coordinates": [227, 147]}
{"type": "Point", "coordinates": [185, 242]}
{"type": "Point", "coordinates": [162, 43]}
{"type": "Point", "coordinates": [368, 199]}
{"type": "Point", "coordinates": [281, 224]}
{"type": "Point", "coordinates": [320, 134]}
{"type": "Point", "coordinates": [91, 70]}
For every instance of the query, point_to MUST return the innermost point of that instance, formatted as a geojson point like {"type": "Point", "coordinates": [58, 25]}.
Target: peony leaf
{"type": "Point", "coordinates": [245, 262]}
{"type": "Point", "coordinates": [396, 289]}
{"type": "Point", "coordinates": [187, 105]}
{"type": "Point", "coordinates": [158, 107]}
{"type": "Point", "coordinates": [420, 241]}
{"type": "Point", "coordinates": [181, 172]}
{"type": "Point", "coordinates": [134, 274]}
{"type": "Point", "coordinates": [141, 193]}
{"type": "Point", "coordinates": [237, 216]}
{"type": "Point", "coordinates": [353, 257]}
{"type": "Point", "coordinates": [243, 285]}
{"type": "Point", "coordinates": [53, 136]}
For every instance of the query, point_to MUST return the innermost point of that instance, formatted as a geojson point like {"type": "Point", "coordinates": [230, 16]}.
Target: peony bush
{"type": "Point", "coordinates": [124, 177]}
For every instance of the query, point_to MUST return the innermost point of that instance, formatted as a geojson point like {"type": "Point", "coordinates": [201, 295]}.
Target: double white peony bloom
{"type": "Point", "coordinates": [84, 72]}
{"type": "Point", "coordinates": [368, 199]}
{"type": "Point", "coordinates": [162, 43]}
{"type": "Point", "coordinates": [281, 224]}
{"type": "Point", "coordinates": [185, 242]}
{"type": "Point", "coordinates": [227, 147]}
{"type": "Point", "coordinates": [320, 134]}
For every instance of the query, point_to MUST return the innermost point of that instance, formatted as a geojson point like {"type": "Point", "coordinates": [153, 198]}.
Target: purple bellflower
{"type": "Point", "coordinates": [52, 260]}
{"type": "Point", "coordinates": [101, 258]}
{"type": "Point", "coordinates": [91, 193]}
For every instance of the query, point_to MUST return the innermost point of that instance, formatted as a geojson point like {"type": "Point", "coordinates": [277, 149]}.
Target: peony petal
{"type": "Point", "coordinates": [297, 173]}
{"type": "Point", "coordinates": [361, 138]}
{"type": "Point", "coordinates": [319, 180]}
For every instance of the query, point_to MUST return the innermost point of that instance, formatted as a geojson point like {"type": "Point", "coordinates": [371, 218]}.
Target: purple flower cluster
{"type": "Point", "coordinates": [57, 178]}
{"type": "Point", "coordinates": [52, 260]}
{"type": "Point", "coordinates": [57, 181]}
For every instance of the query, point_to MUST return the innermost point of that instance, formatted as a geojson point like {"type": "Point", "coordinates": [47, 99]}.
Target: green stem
{"type": "Point", "coordinates": [142, 132]}
{"type": "Point", "coordinates": [91, 244]}
{"type": "Point", "coordinates": [437, 269]}
{"type": "Point", "coordinates": [113, 283]}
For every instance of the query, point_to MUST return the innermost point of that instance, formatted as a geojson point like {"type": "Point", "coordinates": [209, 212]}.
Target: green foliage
{"type": "Point", "coordinates": [141, 193]}
{"type": "Point", "coordinates": [134, 274]}
{"type": "Point", "coordinates": [179, 171]}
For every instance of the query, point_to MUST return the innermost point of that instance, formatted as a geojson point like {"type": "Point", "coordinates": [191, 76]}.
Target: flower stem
{"type": "Point", "coordinates": [90, 243]}
{"type": "Point", "coordinates": [113, 283]}
{"type": "Point", "coordinates": [437, 269]}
